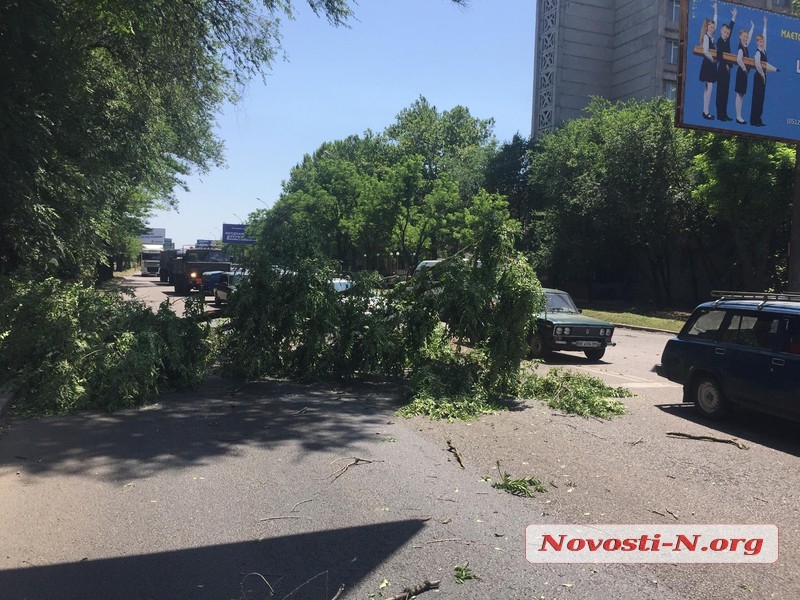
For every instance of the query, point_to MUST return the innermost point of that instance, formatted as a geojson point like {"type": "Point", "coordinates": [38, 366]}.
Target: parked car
{"type": "Point", "coordinates": [742, 348]}
{"type": "Point", "coordinates": [226, 284]}
{"type": "Point", "coordinates": [562, 327]}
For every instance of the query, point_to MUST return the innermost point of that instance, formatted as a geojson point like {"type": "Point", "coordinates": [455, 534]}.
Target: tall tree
{"type": "Point", "coordinates": [616, 190]}
{"type": "Point", "coordinates": [107, 104]}
{"type": "Point", "coordinates": [747, 187]}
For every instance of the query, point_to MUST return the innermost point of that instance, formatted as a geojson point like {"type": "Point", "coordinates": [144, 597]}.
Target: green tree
{"type": "Point", "coordinates": [746, 187]}
{"type": "Point", "coordinates": [107, 105]}
{"type": "Point", "coordinates": [614, 191]}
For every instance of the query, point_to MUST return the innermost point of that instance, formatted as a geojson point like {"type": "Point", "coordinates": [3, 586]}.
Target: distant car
{"type": "Point", "coordinates": [209, 280]}
{"type": "Point", "coordinates": [342, 285]}
{"type": "Point", "coordinates": [562, 327]}
{"type": "Point", "coordinates": [742, 348]}
{"type": "Point", "coordinates": [226, 285]}
{"type": "Point", "coordinates": [426, 264]}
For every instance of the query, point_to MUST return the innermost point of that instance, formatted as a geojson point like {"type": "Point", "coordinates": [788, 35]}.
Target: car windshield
{"type": "Point", "coordinates": [206, 256]}
{"type": "Point", "coordinates": [560, 302]}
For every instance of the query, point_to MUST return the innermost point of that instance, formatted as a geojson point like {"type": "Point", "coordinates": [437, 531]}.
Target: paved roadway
{"type": "Point", "coordinates": [286, 491]}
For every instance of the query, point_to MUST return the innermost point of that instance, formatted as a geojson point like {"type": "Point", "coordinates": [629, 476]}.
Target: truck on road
{"type": "Point", "coordinates": [150, 258]}
{"type": "Point", "coordinates": [188, 269]}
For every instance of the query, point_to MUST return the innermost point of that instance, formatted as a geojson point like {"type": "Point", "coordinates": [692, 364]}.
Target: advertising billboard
{"type": "Point", "coordinates": [233, 233]}
{"type": "Point", "coordinates": [153, 236]}
{"type": "Point", "coordinates": [740, 70]}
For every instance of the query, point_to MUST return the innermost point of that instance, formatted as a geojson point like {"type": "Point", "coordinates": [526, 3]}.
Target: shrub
{"type": "Point", "coordinates": [66, 347]}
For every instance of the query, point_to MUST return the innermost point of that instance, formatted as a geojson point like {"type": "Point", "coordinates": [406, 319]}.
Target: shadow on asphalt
{"type": "Point", "coordinates": [315, 562]}
{"type": "Point", "coordinates": [187, 429]}
{"type": "Point", "coordinates": [563, 358]}
{"type": "Point", "coordinates": [758, 428]}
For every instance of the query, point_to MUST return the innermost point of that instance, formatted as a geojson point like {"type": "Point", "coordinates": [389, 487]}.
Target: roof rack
{"type": "Point", "coordinates": [764, 296]}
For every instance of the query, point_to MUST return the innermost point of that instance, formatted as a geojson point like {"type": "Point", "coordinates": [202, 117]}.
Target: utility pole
{"type": "Point", "coordinates": [794, 238]}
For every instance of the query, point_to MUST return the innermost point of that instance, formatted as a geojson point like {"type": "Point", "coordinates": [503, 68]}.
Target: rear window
{"type": "Point", "coordinates": [704, 324]}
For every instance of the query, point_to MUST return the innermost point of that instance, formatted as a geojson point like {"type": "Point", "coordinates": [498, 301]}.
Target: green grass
{"type": "Point", "coordinates": [662, 320]}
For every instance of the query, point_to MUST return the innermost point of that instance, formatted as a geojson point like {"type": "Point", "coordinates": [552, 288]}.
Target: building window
{"type": "Point", "coordinates": [672, 52]}
{"type": "Point", "coordinates": [675, 10]}
{"type": "Point", "coordinates": [670, 90]}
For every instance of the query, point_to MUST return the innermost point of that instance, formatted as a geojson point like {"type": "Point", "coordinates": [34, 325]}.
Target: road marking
{"type": "Point", "coordinates": [630, 381]}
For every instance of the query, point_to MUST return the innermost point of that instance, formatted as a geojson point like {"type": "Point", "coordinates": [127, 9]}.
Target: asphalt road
{"type": "Point", "coordinates": [277, 490]}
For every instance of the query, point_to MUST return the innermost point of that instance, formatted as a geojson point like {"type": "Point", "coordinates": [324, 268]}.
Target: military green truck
{"type": "Point", "coordinates": [188, 269]}
{"type": "Point", "coordinates": [166, 265]}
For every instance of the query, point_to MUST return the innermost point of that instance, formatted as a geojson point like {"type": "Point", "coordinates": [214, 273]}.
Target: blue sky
{"type": "Point", "coordinates": [339, 82]}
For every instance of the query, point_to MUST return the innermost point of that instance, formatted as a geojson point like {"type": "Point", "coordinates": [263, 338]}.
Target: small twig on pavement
{"type": "Point", "coordinates": [708, 438]}
{"type": "Point", "coordinates": [356, 461]}
{"type": "Point", "coordinates": [262, 578]}
{"type": "Point", "coordinates": [454, 450]}
{"type": "Point", "coordinates": [674, 516]}
{"type": "Point", "coordinates": [639, 441]}
{"type": "Point", "coordinates": [416, 590]}
{"type": "Point", "coordinates": [301, 502]}
{"type": "Point", "coordinates": [239, 389]}
{"type": "Point", "coordinates": [339, 593]}
{"type": "Point", "coordinates": [282, 517]}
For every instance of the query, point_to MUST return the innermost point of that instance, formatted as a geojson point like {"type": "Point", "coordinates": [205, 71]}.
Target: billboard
{"type": "Point", "coordinates": [233, 233]}
{"type": "Point", "coordinates": [739, 70]}
{"type": "Point", "coordinates": [153, 236]}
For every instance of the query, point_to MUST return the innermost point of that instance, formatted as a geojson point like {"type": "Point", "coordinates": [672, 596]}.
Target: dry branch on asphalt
{"type": "Point", "coordinates": [708, 438]}
{"type": "Point", "coordinates": [416, 590]}
{"type": "Point", "coordinates": [356, 461]}
{"type": "Point", "coordinates": [454, 450]}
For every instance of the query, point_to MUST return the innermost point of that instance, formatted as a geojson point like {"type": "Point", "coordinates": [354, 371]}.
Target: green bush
{"type": "Point", "coordinates": [66, 347]}
{"type": "Point", "coordinates": [576, 393]}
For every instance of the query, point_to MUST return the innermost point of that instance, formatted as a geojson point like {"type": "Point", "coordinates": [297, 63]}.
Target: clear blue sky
{"type": "Point", "coordinates": [339, 82]}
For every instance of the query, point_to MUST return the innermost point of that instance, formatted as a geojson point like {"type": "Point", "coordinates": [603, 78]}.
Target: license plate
{"type": "Point", "coordinates": [582, 344]}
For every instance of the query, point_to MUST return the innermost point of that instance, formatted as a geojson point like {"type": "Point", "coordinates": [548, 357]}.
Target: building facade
{"type": "Point", "coordinates": [616, 49]}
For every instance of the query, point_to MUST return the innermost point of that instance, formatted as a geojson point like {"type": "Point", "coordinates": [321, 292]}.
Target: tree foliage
{"type": "Point", "coordinates": [614, 191]}
{"type": "Point", "coordinates": [65, 347]}
{"type": "Point", "coordinates": [107, 105]}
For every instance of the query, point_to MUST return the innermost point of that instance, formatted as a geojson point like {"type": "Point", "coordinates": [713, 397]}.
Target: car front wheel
{"type": "Point", "coordinates": [708, 398]}
{"type": "Point", "coordinates": [595, 353]}
{"type": "Point", "coordinates": [538, 349]}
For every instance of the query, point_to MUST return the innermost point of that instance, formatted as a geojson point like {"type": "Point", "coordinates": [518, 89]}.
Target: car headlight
{"type": "Point", "coordinates": [559, 330]}
{"type": "Point", "coordinates": [567, 330]}
{"type": "Point", "coordinates": [193, 275]}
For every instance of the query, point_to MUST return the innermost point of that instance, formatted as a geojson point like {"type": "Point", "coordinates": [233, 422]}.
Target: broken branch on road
{"type": "Point", "coordinates": [356, 461]}
{"type": "Point", "coordinates": [416, 590]}
{"type": "Point", "coordinates": [708, 438]}
{"type": "Point", "coordinates": [452, 449]}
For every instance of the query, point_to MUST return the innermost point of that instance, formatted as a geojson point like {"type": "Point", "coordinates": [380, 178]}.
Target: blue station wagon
{"type": "Point", "coordinates": [742, 348]}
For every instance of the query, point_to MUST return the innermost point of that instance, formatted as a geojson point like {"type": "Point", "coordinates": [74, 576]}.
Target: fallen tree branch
{"type": "Point", "coordinates": [356, 461]}
{"type": "Point", "coordinates": [709, 438]}
{"type": "Point", "coordinates": [410, 592]}
{"type": "Point", "coordinates": [454, 450]}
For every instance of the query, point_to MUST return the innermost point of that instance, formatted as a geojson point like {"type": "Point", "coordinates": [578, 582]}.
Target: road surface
{"type": "Point", "coordinates": [287, 491]}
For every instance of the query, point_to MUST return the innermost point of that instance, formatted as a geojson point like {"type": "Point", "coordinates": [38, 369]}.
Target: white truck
{"type": "Point", "coordinates": [150, 259]}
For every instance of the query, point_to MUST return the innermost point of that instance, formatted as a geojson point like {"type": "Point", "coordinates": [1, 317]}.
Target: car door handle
{"type": "Point", "coordinates": [720, 351]}
{"type": "Point", "coordinates": [778, 362]}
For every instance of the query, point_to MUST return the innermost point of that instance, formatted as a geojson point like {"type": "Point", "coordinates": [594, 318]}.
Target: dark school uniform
{"type": "Point", "coordinates": [759, 91]}
{"type": "Point", "coordinates": [708, 70]}
{"type": "Point", "coordinates": [723, 76]}
{"type": "Point", "coordinates": [741, 74]}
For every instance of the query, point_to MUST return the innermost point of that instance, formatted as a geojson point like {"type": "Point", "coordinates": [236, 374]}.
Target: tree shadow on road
{"type": "Point", "coordinates": [317, 563]}
{"type": "Point", "coordinates": [188, 429]}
